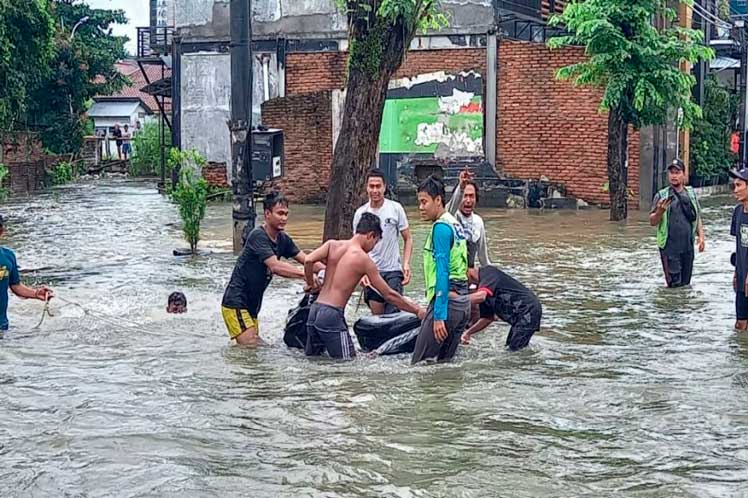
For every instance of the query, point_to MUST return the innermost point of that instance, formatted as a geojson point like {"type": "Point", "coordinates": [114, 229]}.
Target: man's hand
{"type": "Point", "coordinates": [701, 244]}
{"type": "Point", "coordinates": [465, 339]}
{"type": "Point", "coordinates": [440, 331]}
{"type": "Point", "coordinates": [365, 282]}
{"type": "Point", "coordinates": [662, 205]}
{"type": "Point", "coordinates": [465, 176]}
{"type": "Point", "coordinates": [406, 274]}
{"type": "Point", "coordinates": [43, 293]}
{"type": "Point", "coordinates": [421, 313]}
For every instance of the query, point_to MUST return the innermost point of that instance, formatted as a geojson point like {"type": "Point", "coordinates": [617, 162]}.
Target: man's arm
{"type": "Point", "coordinates": [478, 326]}
{"type": "Point", "coordinates": [483, 250]}
{"type": "Point", "coordinates": [301, 259]}
{"type": "Point", "coordinates": [388, 294]}
{"type": "Point", "coordinates": [282, 268]}
{"type": "Point", "coordinates": [700, 239]}
{"type": "Point", "coordinates": [317, 256]}
{"type": "Point", "coordinates": [658, 210]}
{"type": "Point", "coordinates": [454, 203]}
{"type": "Point", "coordinates": [407, 254]}
{"type": "Point", "coordinates": [25, 292]}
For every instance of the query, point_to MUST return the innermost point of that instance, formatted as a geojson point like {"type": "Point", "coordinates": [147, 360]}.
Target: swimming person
{"type": "Point", "coordinates": [177, 303]}
{"type": "Point", "coordinates": [346, 263]}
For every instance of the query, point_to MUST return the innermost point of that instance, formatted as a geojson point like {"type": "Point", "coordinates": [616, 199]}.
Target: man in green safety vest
{"type": "Point", "coordinates": [445, 264]}
{"type": "Point", "coordinates": [677, 214]}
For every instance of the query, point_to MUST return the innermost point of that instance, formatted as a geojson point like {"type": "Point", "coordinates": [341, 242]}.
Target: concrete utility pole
{"type": "Point", "coordinates": [241, 119]}
{"type": "Point", "coordinates": [743, 39]}
{"type": "Point", "coordinates": [685, 19]}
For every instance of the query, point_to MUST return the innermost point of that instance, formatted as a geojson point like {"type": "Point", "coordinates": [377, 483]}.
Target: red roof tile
{"type": "Point", "coordinates": [131, 70]}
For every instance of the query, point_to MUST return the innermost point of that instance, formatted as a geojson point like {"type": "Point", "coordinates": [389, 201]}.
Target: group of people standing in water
{"type": "Point", "coordinates": [462, 299]}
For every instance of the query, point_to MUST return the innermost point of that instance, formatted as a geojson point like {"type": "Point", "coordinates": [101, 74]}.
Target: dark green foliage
{"type": "Point", "coordinates": [26, 49]}
{"type": "Point", "coordinates": [146, 155]}
{"type": "Point", "coordinates": [711, 135]}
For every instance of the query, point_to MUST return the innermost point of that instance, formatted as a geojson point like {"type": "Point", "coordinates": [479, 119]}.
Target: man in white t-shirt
{"type": "Point", "coordinates": [386, 254]}
{"type": "Point", "coordinates": [461, 205]}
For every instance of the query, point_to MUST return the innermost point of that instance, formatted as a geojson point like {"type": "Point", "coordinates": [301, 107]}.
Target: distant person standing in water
{"type": "Point", "coordinates": [677, 215]}
{"type": "Point", "coordinates": [739, 229]}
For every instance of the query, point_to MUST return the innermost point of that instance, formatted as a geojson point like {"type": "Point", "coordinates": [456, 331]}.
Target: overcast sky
{"type": "Point", "coordinates": [138, 15]}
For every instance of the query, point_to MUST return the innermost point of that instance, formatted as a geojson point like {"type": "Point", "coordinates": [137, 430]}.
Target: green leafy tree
{"type": "Point", "coordinates": [712, 133]}
{"type": "Point", "coordinates": [190, 193]}
{"type": "Point", "coordinates": [379, 34]}
{"type": "Point", "coordinates": [636, 64]}
{"type": "Point", "coordinates": [83, 67]}
{"type": "Point", "coordinates": [146, 155]}
{"type": "Point", "coordinates": [26, 49]}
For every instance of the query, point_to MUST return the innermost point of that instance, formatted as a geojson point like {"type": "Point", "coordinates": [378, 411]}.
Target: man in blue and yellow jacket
{"type": "Point", "coordinates": [445, 265]}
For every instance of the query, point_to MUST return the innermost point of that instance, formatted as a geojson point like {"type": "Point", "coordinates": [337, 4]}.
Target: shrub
{"type": "Point", "coordinates": [190, 193]}
{"type": "Point", "coordinates": [146, 151]}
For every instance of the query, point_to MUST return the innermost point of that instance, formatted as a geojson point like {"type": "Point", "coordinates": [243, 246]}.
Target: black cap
{"type": "Point", "coordinates": [677, 164]}
{"type": "Point", "coordinates": [741, 173]}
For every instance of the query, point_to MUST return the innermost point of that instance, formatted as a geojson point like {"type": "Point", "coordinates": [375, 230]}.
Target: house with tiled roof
{"type": "Point", "coordinates": [131, 104]}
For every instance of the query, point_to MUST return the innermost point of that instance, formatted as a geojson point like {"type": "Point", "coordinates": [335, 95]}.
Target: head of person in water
{"type": "Point", "coordinates": [177, 303]}
{"type": "Point", "coordinates": [275, 209]}
{"type": "Point", "coordinates": [376, 186]}
{"type": "Point", "coordinates": [431, 199]}
{"type": "Point", "coordinates": [369, 230]}
{"type": "Point", "coordinates": [469, 198]}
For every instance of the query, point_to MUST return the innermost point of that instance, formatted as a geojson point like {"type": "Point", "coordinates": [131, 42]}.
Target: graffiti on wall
{"type": "Point", "coordinates": [434, 114]}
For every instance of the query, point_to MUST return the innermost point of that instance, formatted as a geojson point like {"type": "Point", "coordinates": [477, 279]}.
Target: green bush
{"type": "Point", "coordinates": [4, 192]}
{"type": "Point", "coordinates": [62, 173]}
{"type": "Point", "coordinates": [711, 135]}
{"type": "Point", "coordinates": [146, 151]}
{"type": "Point", "coordinates": [190, 193]}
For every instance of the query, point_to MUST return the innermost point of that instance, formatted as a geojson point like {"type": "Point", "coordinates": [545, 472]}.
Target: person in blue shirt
{"type": "Point", "coordinates": [445, 265]}
{"type": "Point", "coordinates": [11, 279]}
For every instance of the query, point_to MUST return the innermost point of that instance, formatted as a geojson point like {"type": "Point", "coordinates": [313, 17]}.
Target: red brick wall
{"type": "Point", "coordinates": [215, 175]}
{"type": "Point", "coordinates": [551, 128]}
{"type": "Point", "coordinates": [546, 127]}
{"type": "Point", "coordinates": [314, 72]}
{"type": "Point", "coordinates": [20, 147]}
{"type": "Point", "coordinates": [25, 177]}
{"type": "Point", "coordinates": [306, 121]}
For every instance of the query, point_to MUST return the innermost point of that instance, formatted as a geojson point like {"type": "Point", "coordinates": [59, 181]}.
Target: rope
{"type": "Point", "coordinates": [118, 323]}
{"type": "Point", "coordinates": [45, 312]}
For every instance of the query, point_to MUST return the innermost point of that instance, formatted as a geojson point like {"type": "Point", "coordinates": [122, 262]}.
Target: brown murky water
{"type": "Point", "coordinates": [629, 389]}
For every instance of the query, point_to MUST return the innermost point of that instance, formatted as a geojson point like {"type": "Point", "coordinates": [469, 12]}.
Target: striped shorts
{"type": "Point", "coordinates": [326, 331]}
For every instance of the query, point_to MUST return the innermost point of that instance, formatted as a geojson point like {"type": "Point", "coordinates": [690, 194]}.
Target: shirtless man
{"type": "Point", "coordinates": [347, 262]}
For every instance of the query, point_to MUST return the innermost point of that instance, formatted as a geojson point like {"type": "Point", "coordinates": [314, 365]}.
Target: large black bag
{"type": "Point", "coordinates": [295, 333]}
{"type": "Point", "coordinates": [373, 332]}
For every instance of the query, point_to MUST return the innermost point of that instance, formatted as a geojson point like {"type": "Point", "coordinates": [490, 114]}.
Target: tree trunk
{"type": "Point", "coordinates": [618, 145]}
{"type": "Point", "coordinates": [369, 73]}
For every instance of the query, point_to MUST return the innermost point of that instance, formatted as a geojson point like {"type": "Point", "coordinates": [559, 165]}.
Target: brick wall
{"type": "Point", "coordinates": [551, 128]}
{"type": "Point", "coordinates": [315, 72]}
{"type": "Point", "coordinates": [546, 127]}
{"type": "Point", "coordinates": [25, 177]}
{"type": "Point", "coordinates": [215, 175]}
{"type": "Point", "coordinates": [306, 121]}
{"type": "Point", "coordinates": [20, 147]}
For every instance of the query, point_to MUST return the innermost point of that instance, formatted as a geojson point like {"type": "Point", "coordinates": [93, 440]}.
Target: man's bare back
{"type": "Point", "coordinates": [346, 264]}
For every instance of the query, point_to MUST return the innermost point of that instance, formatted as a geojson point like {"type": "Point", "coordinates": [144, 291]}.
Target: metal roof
{"type": "Point", "coordinates": [113, 109]}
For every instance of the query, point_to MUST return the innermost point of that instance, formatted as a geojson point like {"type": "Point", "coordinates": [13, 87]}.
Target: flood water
{"type": "Point", "coordinates": [628, 390]}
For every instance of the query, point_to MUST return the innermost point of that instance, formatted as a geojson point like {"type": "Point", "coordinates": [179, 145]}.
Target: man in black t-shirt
{"type": "Point", "coordinates": [500, 295]}
{"type": "Point", "coordinates": [258, 262]}
{"type": "Point", "coordinates": [739, 230]}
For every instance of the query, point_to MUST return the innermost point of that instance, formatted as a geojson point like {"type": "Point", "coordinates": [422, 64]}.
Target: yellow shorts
{"type": "Point", "coordinates": [238, 321]}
